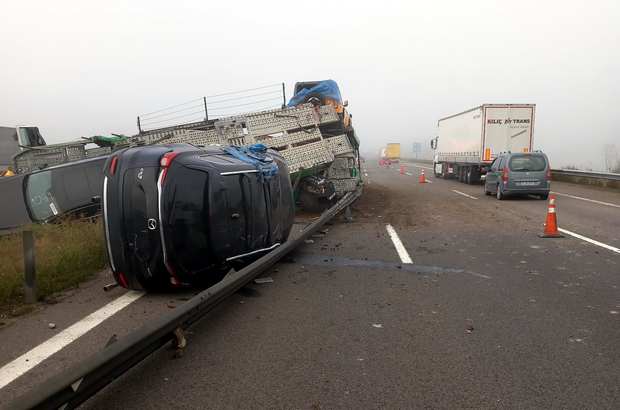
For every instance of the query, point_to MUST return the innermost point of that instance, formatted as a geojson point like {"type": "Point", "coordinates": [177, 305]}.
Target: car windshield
{"type": "Point", "coordinates": [189, 221]}
{"type": "Point", "coordinates": [527, 163]}
{"type": "Point", "coordinates": [40, 197]}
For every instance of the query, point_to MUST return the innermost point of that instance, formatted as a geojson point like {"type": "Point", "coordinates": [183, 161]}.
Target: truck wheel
{"type": "Point", "coordinates": [437, 175]}
{"type": "Point", "coordinates": [470, 176]}
{"type": "Point", "coordinates": [499, 193]}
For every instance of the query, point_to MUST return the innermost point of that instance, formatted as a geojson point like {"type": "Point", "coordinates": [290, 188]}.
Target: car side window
{"type": "Point", "coordinates": [495, 164]}
{"type": "Point", "coordinates": [501, 162]}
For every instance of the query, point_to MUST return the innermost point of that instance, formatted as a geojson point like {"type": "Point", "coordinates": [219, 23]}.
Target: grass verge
{"type": "Point", "coordinates": [66, 253]}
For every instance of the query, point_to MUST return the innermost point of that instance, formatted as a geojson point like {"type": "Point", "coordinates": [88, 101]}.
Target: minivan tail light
{"type": "Point", "coordinates": [113, 165]}
{"type": "Point", "coordinates": [505, 175]}
{"type": "Point", "coordinates": [548, 174]}
{"type": "Point", "coordinates": [164, 162]}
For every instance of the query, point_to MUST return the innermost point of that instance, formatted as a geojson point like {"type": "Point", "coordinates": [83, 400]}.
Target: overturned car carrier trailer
{"type": "Point", "coordinates": [296, 132]}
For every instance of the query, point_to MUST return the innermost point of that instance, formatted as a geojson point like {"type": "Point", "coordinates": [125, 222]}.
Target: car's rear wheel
{"type": "Point", "coordinates": [499, 193]}
{"type": "Point", "coordinates": [544, 197]}
{"type": "Point", "coordinates": [486, 191]}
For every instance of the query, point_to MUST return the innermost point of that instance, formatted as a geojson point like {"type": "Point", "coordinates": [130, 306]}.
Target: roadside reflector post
{"type": "Point", "coordinates": [30, 279]}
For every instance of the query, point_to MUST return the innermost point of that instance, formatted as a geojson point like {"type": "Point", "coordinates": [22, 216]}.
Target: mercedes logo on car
{"type": "Point", "coordinates": [152, 224]}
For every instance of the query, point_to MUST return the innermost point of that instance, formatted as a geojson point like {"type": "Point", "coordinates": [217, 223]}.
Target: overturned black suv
{"type": "Point", "coordinates": [177, 215]}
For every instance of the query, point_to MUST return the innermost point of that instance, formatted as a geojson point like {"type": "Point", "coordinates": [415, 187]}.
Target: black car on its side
{"type": "Point", "coordinates": [45, 195]}
{"type": "Point", "coordinates": [180, 214]}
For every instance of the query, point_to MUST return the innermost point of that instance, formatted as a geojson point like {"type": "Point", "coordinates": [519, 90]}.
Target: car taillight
{"type": "Point", "coordinates": [548, 174]}
{"type": "Point", "coordinates": [164, 162]}
{"type": "Point", "coordinates": [173, 276]}
{"type": "Point", "coordinates": [113, 165]}
{"type": "Point", "coordinates": [505, 175]}
{"type": "Point", "coordinates": [123, 281]}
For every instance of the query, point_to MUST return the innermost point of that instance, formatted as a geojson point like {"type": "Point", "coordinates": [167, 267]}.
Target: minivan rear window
{"type": "Point", "coordinates": [527, 163]}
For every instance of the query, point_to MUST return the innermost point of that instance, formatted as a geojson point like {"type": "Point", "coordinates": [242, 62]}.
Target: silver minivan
{"type": "Point", "coordinates": [519, 173]}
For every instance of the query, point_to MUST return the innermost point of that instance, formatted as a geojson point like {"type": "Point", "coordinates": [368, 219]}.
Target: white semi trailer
{"type": "Point", "coordinates": [467, 142]}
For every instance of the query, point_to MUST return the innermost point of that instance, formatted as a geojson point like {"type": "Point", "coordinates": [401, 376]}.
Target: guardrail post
{"type": "Point", "coordinates": [29, 268]}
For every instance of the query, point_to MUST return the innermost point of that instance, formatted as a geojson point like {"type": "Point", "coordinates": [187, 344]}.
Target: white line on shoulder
{"type": "Point", "coordinates": [586, 199]}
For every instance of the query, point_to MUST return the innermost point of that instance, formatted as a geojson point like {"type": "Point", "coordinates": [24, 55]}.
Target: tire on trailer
{"type": "Point", "coordinates": [469, 176]}
{"type": "Point", "coordinates": [314, 98]}
{"type": "Point", "coordinates": [437, 175]}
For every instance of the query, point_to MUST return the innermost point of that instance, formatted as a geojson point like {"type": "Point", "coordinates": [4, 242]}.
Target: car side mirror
{"type": "Point", "coordinates": [346, 104]}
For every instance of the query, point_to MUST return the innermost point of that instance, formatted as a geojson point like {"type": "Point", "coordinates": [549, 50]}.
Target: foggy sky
{"type": "Point", "coordinates": [79, 68]}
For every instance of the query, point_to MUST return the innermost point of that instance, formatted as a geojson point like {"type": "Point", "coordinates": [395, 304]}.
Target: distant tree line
{"type": "Point", "coordinates": [612, 159]}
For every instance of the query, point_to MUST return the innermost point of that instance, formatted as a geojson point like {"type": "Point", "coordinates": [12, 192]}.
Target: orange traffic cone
{"type": "Point", "coordinates": [402, 169]}
{"type": "Point", "coordinates": [551, 226]}
{"type": "Point", "coordinates": [422, 179]}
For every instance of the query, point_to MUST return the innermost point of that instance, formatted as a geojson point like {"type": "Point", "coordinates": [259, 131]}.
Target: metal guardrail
{"type": "Point", "coordinates": [75, 385]}
{"type": "Point", "coordinates": [586, 174]}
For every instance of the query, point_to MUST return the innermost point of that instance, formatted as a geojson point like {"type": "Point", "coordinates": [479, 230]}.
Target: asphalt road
{"type": "Point", "coordinates": [486, 316]}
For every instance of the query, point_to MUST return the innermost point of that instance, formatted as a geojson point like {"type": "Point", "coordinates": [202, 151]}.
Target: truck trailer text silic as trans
{"type": "Point", "coordinates": [467, 142]}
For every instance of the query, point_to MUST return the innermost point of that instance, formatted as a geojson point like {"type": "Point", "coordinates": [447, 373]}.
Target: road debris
{"type": "Point", "coordinates": [308, 241]}
{"type": "Point", "coordinates": [178, 342]}
{"type": "Point", "coordinates": [263, 280]}
{"type": "Point", "coordinates": [52, 326]}
{"type": "Point", "coordinates": [469, 329]}
{"type": "Point", "coordinates": [347, 215]}
{"type": "Point", "coordinates": [378, 326]}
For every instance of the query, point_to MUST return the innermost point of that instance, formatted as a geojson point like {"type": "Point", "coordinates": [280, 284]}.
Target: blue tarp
{"type": "Point", "coordinates": [328, 88]}
{"type": "Point", "coordinates": [254, 154]}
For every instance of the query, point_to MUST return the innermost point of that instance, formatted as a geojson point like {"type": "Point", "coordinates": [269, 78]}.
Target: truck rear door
{"type": "Point", "coordinates": [507, 128]}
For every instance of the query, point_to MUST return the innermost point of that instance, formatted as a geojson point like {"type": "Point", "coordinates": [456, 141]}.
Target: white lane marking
{"type": "Point", "coordinates": [427, 180]}
{"type": "Point", "coordinates": [586, 199]}
{"type": "Point", "coordinates": [27, 361]}
{"type": "Point", "coordinates": [400, 248]}
{"type": "Point", "coordinates": [419, 166]}
{"type": "Point", "coordinates": [468, 196]}
{"type": "Point", "coordinates": [408, 173]}
{"type": "Point", "coordinates": [592, 241]}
